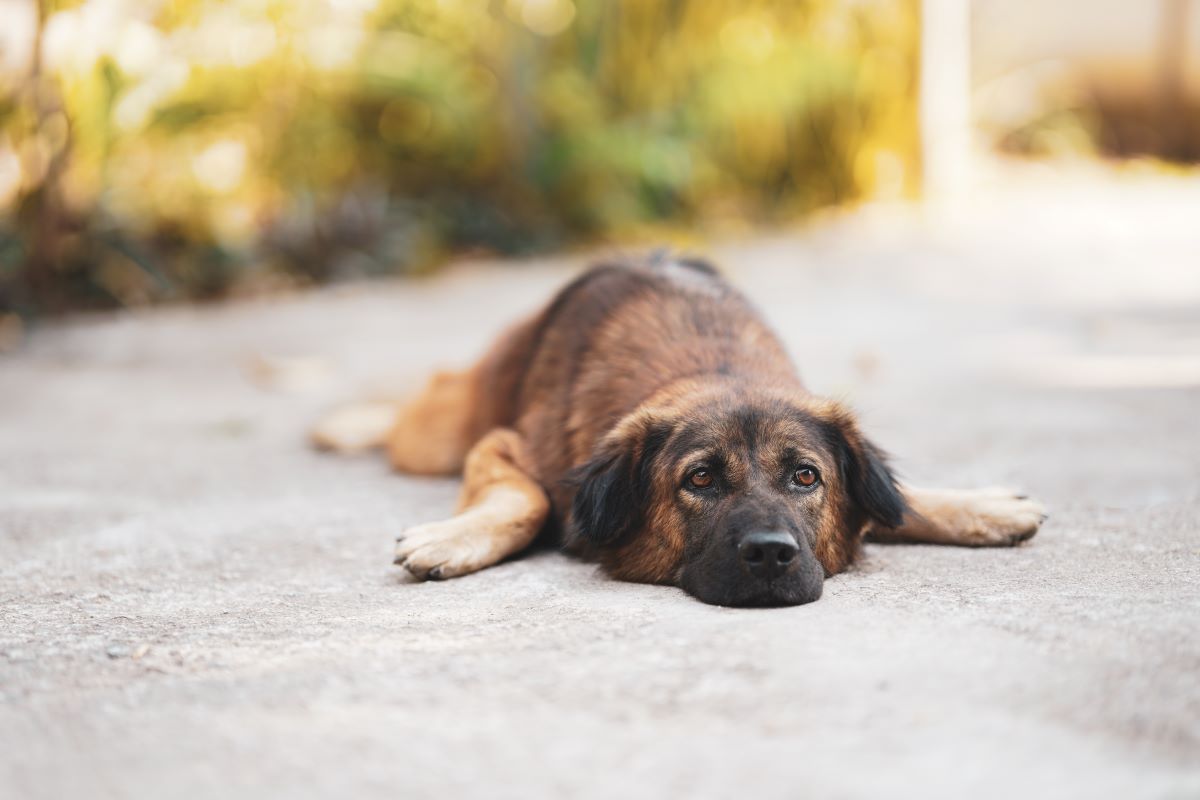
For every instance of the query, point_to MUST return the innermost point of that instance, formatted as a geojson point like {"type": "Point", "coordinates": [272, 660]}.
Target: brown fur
{"type": "Point", "coordinates": [500, 511]}
{"type": "Point", "coordinates": [619, 362]}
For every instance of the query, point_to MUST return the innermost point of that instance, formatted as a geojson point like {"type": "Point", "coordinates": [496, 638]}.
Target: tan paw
{"type": "Point", "coordinates": [446, 549]}
{"type": "Point", "coordinates": [355, 427]}
{"type": "Point", "coordinates": [999, 517]}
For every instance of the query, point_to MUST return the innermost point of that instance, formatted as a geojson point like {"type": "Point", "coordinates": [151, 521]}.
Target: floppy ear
{"type": "Point", "coordinates": [613, 489]}
{"type": "Point", "coordinates": [866, 474]}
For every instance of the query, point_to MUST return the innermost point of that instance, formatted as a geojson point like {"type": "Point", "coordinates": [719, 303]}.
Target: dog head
{"type": "Point", "coordinates": [739, 500]}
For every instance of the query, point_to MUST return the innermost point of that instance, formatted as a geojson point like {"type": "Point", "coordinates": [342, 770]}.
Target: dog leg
{"type": "Point", "coordinates": [429, 434]}
{"type": "Point", "coordinates": [433, 431]}
{"type": "Point", "coordinates": [501, 510]}
{"type": "Point", "coordinates": [967, 517]}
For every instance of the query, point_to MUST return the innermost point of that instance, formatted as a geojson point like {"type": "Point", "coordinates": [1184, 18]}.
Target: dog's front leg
{"type": "Point", "coordinates": [965, 517]}
{"type": "Point", "coordinates": [501, 510]}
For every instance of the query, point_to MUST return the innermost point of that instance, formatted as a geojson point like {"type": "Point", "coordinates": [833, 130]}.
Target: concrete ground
{"type": "Point", "coordinates": [193, 604]}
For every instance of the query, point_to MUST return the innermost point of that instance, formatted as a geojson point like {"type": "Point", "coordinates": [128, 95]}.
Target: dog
{"type": "Point", "coordinates": [649, 420]}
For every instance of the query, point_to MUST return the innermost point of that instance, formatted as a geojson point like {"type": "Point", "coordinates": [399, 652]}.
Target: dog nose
{"type": "Point", "coordinates": [768, 554]}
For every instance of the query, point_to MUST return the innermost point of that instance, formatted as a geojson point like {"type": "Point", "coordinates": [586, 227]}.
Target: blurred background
{"type": "Point", "coordinates": [161, 151]}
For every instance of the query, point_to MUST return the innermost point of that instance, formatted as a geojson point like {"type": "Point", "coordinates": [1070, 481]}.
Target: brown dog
{"type": "Point", "coordinates": [651, 421]}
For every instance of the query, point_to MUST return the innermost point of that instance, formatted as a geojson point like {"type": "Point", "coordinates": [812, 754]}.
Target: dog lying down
{"type": "Point", "coordinates": [649, 420]}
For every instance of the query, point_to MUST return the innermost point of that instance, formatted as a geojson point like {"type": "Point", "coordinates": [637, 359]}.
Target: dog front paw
{"type": "Point", "coordinates": [1001, 518]}
{"type": "Point", "coordinates": [440, 550]}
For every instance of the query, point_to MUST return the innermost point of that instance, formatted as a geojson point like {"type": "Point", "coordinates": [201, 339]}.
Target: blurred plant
{"type": "Point", "coordinates": [160, 150]}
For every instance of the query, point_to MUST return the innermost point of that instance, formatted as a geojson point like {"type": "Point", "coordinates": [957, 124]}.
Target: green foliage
{"type": "Point", "coordinates": [205, 147]}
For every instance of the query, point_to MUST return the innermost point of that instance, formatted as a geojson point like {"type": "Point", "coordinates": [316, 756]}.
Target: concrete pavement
{"type": "Point", "coordinates": [194, 604]}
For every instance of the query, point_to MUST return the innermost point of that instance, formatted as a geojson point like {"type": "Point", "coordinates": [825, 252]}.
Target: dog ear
{"type": "Point", "coordinates": [866, 474]}
{"type": "Point", "coordinates": [614, 488]}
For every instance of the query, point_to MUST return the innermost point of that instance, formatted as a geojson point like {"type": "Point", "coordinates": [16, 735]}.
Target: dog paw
{"type": "Point", "coordinates": [1000, 518]}
{"type": "Point", "coordinates": [354, 428]}
{"type": "Point", "coordinates": [446, 549]}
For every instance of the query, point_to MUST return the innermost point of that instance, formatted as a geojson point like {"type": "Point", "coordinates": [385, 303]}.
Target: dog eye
{"type": "Point", "coordinates": [806, 477]}
{"type": "Point", "coordinates": [700, 479]}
